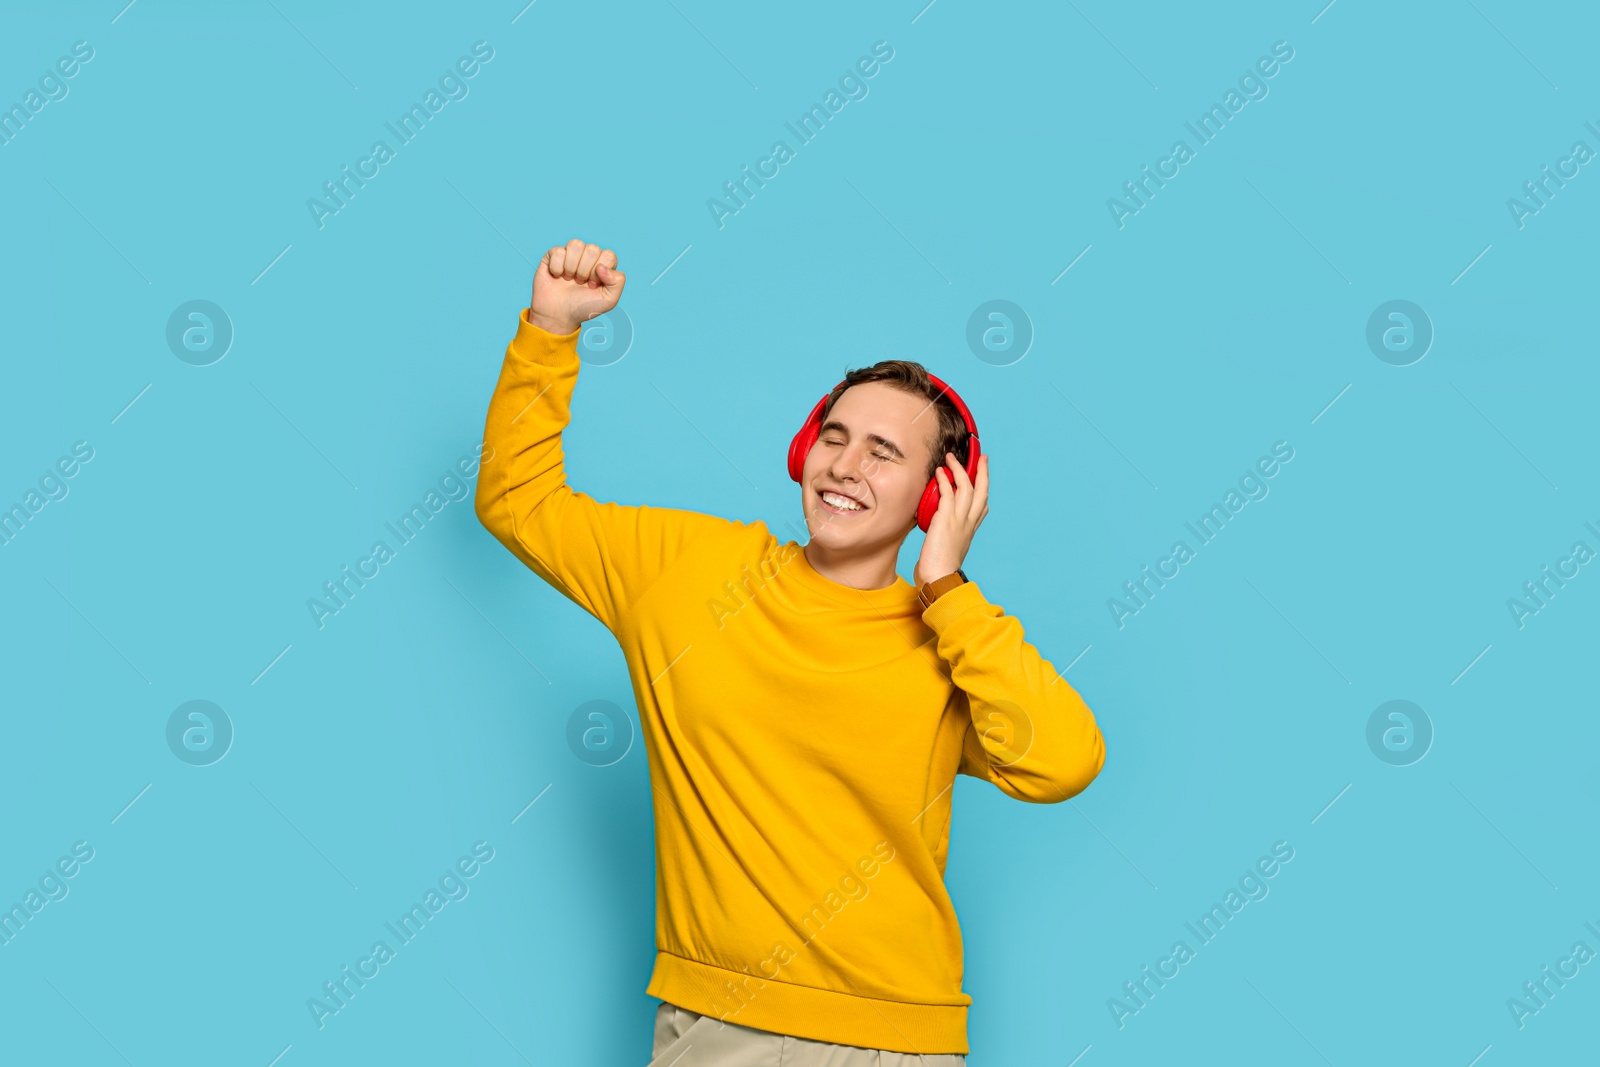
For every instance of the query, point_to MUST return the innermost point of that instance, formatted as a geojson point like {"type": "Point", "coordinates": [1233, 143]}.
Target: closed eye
{"type": "Point", "coordinates": [875, 455]}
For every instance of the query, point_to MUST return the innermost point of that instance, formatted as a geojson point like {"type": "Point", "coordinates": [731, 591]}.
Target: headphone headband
{"type": "Point", "coordinates": [944, 390]}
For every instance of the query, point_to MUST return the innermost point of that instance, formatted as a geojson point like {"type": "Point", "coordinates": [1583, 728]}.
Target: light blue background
{"type": "Point", "coordinates": [1224, 316]}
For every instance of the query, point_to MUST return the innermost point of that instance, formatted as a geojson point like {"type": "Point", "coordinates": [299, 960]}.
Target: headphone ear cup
{"type": "Point", "coordinates": [800, 447]}
{"type": "Point", "coordinates": [810, 430]}
{"type": "Point", "coordinates": [928, 504]}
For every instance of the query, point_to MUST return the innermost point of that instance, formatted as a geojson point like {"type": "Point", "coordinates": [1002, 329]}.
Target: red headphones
{"type": "Point", "coordinates": [800, 447]}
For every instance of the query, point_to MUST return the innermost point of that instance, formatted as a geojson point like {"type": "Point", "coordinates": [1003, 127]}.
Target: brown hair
{"type": "Point", "coordinates": [911, 377]}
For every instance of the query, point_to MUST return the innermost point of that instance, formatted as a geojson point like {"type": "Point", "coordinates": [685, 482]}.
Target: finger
{"type": "Point", "coordinates": [586, 262]}
{"type": "Point", "coordinates": [553, 259]}
{"type": "Point", "coordinates": [982, 484]}
{"type": "Point", "coordinates": [958, 472]}
{"type": "Point", "coordinates": [611, 279]}
{"type": "Point", "coordinates": [958, 477]}
{"type": "Point", "coordinates": [569, 266]}
{"type": "Point", "coordinates": [604, 269]}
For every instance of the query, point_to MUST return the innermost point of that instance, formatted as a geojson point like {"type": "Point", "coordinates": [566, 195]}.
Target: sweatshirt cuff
{"type": "Point", "coordinates": [945, 610]}
{"type": "Point", "coordinates": [541, 346]}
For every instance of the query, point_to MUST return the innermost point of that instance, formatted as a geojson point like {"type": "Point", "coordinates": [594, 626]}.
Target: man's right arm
{"type": "Point", "coordinates": [603, 557]}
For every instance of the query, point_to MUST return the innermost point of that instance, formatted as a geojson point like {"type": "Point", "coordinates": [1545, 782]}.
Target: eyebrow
{"type": "Point", "coordinates": [835, 424]}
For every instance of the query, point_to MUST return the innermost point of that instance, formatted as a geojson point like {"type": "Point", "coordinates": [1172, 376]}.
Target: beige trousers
{"type": "Point", "coordinates": [687, 1039]}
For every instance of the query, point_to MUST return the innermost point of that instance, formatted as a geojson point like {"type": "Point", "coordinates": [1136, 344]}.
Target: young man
{"type": "Point", "coordinates": [805, 710]}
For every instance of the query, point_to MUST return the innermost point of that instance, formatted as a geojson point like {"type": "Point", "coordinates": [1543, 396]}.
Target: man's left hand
{"type": "Point", "coordinates": [963, 504]}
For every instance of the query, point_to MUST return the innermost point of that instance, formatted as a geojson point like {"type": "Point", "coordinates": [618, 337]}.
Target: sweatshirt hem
{"type": "Point", "coordinates": [806, 1011]}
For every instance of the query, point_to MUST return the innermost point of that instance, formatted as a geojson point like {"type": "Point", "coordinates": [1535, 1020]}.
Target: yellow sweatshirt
{"type": "Point", "coordinates": [802, 738]}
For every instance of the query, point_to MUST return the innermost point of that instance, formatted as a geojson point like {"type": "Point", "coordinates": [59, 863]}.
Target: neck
{"type": "Point", "coordinates": [872, 571]}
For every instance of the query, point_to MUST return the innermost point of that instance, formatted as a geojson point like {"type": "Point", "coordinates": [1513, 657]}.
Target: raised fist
{"type": "Point", "coordinates": [573, 284]}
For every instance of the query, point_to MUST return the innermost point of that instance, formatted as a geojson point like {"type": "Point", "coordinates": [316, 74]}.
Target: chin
{"type": "Point", "coordinates": [822, 527]}
{"type": "Point", "coordinates": [844, 537]}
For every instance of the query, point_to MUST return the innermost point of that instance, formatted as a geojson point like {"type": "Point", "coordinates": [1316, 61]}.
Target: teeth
{"type": "Point", "coordinates": [844, 503]}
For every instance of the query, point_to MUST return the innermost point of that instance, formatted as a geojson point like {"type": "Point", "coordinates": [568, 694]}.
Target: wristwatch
{"type": "Point", "coordinates": [928, 592]}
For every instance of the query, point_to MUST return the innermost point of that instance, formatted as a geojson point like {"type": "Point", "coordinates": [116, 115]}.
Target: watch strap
{"type": "Point", "coordinates": [928, 592]}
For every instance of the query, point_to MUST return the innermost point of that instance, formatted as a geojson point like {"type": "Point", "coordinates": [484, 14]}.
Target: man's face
{"type": "Point", "coordinates": [874, 448]}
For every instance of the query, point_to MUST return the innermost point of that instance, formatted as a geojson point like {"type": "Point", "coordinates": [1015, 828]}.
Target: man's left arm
{"type": "Point", "coordinates": [1032, 735]}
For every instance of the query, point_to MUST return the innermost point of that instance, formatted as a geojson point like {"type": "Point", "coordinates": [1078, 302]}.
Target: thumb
{"type": "Point", "coordinates": [611, 279]}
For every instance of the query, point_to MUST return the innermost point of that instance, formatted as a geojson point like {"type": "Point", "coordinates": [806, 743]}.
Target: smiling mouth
{"type": "Point", "coordinates": [832, 509]}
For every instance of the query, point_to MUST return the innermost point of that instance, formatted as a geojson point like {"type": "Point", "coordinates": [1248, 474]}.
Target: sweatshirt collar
{"type": "Point", "coordinates": [900, 595]}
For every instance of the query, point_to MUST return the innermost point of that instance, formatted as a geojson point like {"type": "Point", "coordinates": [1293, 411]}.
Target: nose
{"type": "Point", "coordinates": [846, 465]}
